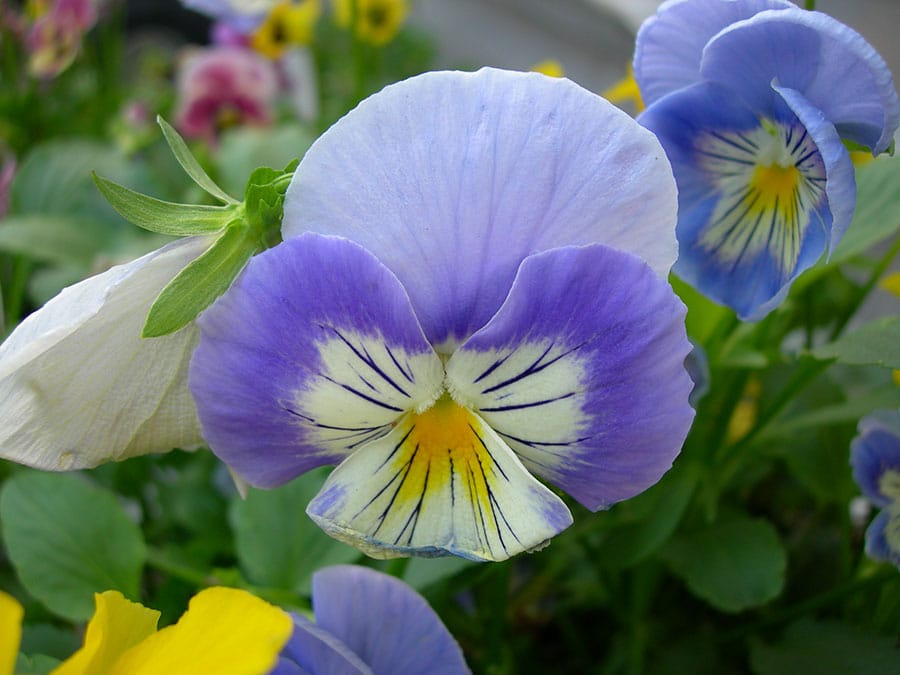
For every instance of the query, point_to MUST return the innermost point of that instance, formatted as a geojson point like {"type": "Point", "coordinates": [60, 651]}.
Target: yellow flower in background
{"type": "Point", "coordinates": [891, 283]}
{"type": "Point", "coordinates": [289, 24]}
{"type": "Point", "coordinates": [550, 67]}
{"type": "Point", "coordinates": [10, 632]}
{"type": "Point", "coordinates": [375, 21]}
{"type": "Point", "coordinates": [224, 631]}
{"type": "Point", "coordinates": [625, 91]}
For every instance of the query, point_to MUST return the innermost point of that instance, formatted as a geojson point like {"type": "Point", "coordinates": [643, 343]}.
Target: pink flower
{"type": "Point", "coordinates": [55, 37]}
{"type": "Point", "coordinates": [223, 86]}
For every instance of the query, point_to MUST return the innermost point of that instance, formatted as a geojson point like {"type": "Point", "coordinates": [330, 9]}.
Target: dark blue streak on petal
{"type": "Point", "coordinates": [406, 372]}
{"type": "Point", "coordinates": [535, 367]}
{"type": "Point", "coordinates": [532, 404]}
{"type": "Point", "coordinates": [490, 369]}
{"type": "Point", "coordinates": [364, 356]}
{"type": "Point", "coordinates": [375, 401]}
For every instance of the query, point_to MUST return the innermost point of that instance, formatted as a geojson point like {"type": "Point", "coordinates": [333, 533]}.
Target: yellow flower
{"type": "Point", "coordinates": [289, 24]}
{"type": "Point", "coordinates": [550, 67]}
{"type": "Point", "coordinates": [376, 21]}
{"type": "Point", "coordinates": [625, 90]}
{"type": "Point", "coordinates": [10, 632]}
{"type": "Point", "coordinates": [224, 631]}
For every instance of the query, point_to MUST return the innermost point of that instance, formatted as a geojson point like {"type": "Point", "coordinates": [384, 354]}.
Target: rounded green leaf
{"type": "Point", "coordinates": [276, 542]}
{"type": "Point", "coordinates": [736, 563]}
{"type": "Point", "coordinates": [68, 540]}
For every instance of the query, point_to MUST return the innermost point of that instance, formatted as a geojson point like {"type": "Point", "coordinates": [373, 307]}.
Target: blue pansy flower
{"type": "Point", "coordinates": [875, 458]}
{"type": "Point", "coordinates": [368, 622]}
{"type": "Point", "coordinates": [471, 292]}
{"type": "Point", "coordinates": [753, 100]}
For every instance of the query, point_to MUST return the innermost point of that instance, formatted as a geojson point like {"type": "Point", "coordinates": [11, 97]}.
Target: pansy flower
{"type": "Point", "coordinates": [289, 24]}
{"type": "Point", "coordinates": [471, 292]}
{"type": "Point", "coordinates": [753, 101]}
{"type": "Point", "coordinates": [875, 458]}
{"type": "Point", "coordinates": [376, 22]}
{"type": "Point", "coordinates": [55, 37]}
{"type": "Point", "coordinates": [220, 87]}
{"type": "Point", "coordinates": [368, 622]}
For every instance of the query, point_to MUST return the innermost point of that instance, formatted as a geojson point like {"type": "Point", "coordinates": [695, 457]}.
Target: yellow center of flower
{"type": "Point", "coordinates": [889, 485]}
{"type": "Point", "coordinates": [441, 443]}
{"type": "Point", "coordinates": [776, 186]}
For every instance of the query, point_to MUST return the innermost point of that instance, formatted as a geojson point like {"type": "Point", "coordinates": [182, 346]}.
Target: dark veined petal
{"type": "Point", "coordinates": [451, 179]}
{"type": "Point", "coordinates": [754, 193]}
{"type": "Point", "coordinates": [581, 372]}
{"type": "Point", "coordinates": [875, 458]}
{"type": "Point", "coordinates": [669, 45]}
{"type": "Point", "coordinates": [828, 63]}
{"type": "Point", "coordinates": [442, 482]}
{"type": "Point", "coordinates": [312, 352]}
{"type": "Point", "coordinates": [385, 622]}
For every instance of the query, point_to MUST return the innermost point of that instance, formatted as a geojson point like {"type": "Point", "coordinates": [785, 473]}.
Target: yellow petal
{"type": "Point", "coordinates": [891, 283]}
{"type": "Point", "coordinates": [625, 91]}
{"type": "Point", "coordinates": [117, 625]}
{"type": "Point", "coordinates": [224, 631]}
{"type": "Point", "coordinates": [10, 632]}
{"type": "Point", "coordinates": [550, 67]}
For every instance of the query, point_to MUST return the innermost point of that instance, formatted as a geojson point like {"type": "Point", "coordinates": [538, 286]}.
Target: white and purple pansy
{"type": "Point", "coordinates": [875, 458]}
{"type": "Point", "coordinates": [753, 101]}
{"type": "Point", "coordinates": [368, 622]}
{"type": "Point", "coordinates": [471, 292]}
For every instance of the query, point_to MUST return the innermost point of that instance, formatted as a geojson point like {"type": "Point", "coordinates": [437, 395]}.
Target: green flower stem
{"type": "Point", "coordinates": [16, 289]}
{"type": "Point", "coordinates": [850, 310]}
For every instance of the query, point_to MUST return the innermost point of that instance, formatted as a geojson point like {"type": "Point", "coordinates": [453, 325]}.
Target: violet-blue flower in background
{"type": "Point", "coordinates": [875, 458]}
{"type": "Point", "coordinates": [369, 622]}
{"type": "Point", "coordinates": [753, 101]}
{"type": "Point", "coordinates": [471, 290]}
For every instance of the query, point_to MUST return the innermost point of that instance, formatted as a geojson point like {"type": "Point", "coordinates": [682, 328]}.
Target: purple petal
{"type": "Point", "coordinates": [312, 649]}
{"type": "Point", "coordinates": [754, 193]}
{"type": "Point", "coordinates": [313, 351]}
{"type": "Point", "coordinates": [883, 536]}
{"type": "Point", "coordinates": [830, 64]}
{"type": "Point", "coordinates": [669, 46]}
{"type": "Point", "coordinates": [874, 456]}
{"type": "Point", "coordinates": [385, 622]}
{"type": "Point", "coordinates": [451, 179]}
{"type": "Point", "coordinates": [582, 372]}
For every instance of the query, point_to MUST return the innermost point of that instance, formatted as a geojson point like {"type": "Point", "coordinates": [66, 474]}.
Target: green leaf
{"type": "Point", "coordinates": [190, 164]}
{"type": "Point", "coordinates": [198, 285]}
{"type": "Point", "coordinates": [276, 542]}
{"type": "Point", "coordinates": [877, 215]}
{"type": "Point", "coordinates": [734, 564]}
{"type": "Point", "coordinates": [877, 343]}
{"type": "Point", "coordinates": [164, 217]}
{"type": "Point", "coordinates": [68, 540]}
{"type": "Point", "coordinates": [39, 664]}
{"type": "Point", "coordinates": [826, 648]}
{"type": "Point", "coordinates": [53, 238]}
{"type": "Point", "coordinates": [421, 573]}
{"type": "Point", "coordinates": [663, 506]}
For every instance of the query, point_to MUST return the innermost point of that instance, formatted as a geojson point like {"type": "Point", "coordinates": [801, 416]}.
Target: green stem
{"type": "Point", "coordinates": [810, 4]}
{"type": "Point", "coordinates": [864, 291]}
{"type": "Point", "coordinates": [16, 289]}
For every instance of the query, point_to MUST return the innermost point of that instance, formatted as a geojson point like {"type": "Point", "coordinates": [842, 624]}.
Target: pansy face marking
{"type": "Point", "coordinates": [444, 353]}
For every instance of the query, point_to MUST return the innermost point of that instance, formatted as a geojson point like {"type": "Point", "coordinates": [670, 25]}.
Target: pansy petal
{"type": "Point", "coordinates": [78, 385]}
{"type": "Point", "coordinates": [753, 207]}
{"type": "Point", "coordinates": [11, 613]}
{"type": "Point", "coordinates": [441, 482]}
{"type": "Point", "coordinates": [829, 63]}
{"type": "Point", "coordinates": [313, 351]}
{"type": "Point", "coordinates": [118, 625]}
{"type": "Point", "coordinates": [840, 177]}
{"type": "Point", "coordinates": [883, 535]}
{"type": "Point", "coordinates": [669, 46]}
{"type": "Point", "coordinates": [384, 621]}
{"type": "Point", "coordinates": [582, 372]}
{"type": "Point", "coordinates": [875, 458]}
{"type": "Point", "coordinates": [225, 631]}
{"type": "Point", "coordinates": [451, 179]}
{"type": "Point", "coordinates": [312, 649]}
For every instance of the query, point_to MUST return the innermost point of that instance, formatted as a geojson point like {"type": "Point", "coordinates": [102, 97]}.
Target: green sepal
{"type": "Point", "coordinates": [164, 217]}
{"type": "Point", "coordinates": [199, 284]}
{"type": "Point", "coordinates": [264, 198]}
{"type": "Point", "coordinates": [190, 164]}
